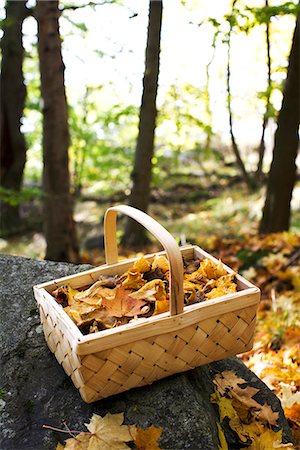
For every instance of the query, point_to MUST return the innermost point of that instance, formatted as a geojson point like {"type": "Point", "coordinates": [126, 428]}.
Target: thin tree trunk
{"type": "Point", "coordinates": [13, 94]}
{"type": "Point", "coordinates": [282, 176]}
{"type": "Point", "coordinates": [58, 207]}
{"type": "Point", "coordinates": [141, 177]}
{"type": "Point", "coordinates": [262, 147]}
{"type": "Point", "coordinates": [236, 151]}
{"type": "Point", "coordinates": [207, 92]}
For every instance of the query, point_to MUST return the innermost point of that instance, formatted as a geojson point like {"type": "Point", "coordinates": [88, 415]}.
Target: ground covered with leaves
{"type": "Point", "coordinates": [273, 263]}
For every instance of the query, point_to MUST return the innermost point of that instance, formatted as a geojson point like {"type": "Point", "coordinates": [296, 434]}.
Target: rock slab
{"type": "Point", "coordinates": [35, 391]}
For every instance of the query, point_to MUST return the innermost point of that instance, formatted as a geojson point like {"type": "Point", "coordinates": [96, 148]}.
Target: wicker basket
{"type": "Point", "coordinates": [112, 361]}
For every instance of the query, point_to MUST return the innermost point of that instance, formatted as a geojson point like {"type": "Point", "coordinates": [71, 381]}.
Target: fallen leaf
{"type": "Point", "coordinates": [151, 291]}
{"type": "Point", "coordinates": [108, 433]}
{"type": "Point", "coordinates": [222, 439]}
{"type": "Point", "coordinates": [59, 446]}
{"type": "Point", "coordinates": [266, 413]}
{"type": "Point", "coordinates": [147, 439]}
{"type": "Point", "coordinates": [161, 263]}
{"type": "Point", "coordinates": [211, 270]}
{"type": "Point", "coordinates": [293, 413]}
{"type": "Point", "coordinates": [161, 306]}
{"type": "Point", "coordinates": [142, 265]}
{"type": "Point", "coordinates": [80, 442]}
{"type": "Point", "coordinates": [288, 397]}
{"type": "Point", "coordinates": [124, 305]}
{"type": "Point", "coordinates": [222, 286]}
{"type": "Point", "coordinates": [133, 280]}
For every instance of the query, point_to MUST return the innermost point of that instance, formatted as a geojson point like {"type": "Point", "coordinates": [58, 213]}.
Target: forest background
{"type": "Point", "coordinates": [188, 110]}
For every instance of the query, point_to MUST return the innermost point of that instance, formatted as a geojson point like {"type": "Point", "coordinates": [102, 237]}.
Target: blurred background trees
{"type": "Point", "coordinates": [192, 143]}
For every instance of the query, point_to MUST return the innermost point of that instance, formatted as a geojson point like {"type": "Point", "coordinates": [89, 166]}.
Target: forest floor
{"type": "Point", "coordinates": [224, 223]}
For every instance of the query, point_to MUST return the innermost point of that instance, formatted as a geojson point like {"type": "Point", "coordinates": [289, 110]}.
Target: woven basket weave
{"type": "Point", "coordinates": [136, 354]}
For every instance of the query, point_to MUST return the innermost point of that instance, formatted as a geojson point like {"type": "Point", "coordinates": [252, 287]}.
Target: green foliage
{"type": "Point", "coordinates": [266, 13]}
{"type": "Point", "coordinates": [15, 198]}
{"type": "Point", "coordinates": [2, 393]}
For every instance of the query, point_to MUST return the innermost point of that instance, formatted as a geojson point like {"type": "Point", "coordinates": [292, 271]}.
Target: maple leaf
{"type": "Point", "coordinates": [266, 413]}
{"type": "Point", "coordinates": [289, 398]}
{"type": "Point", "coordinates": [228, 383]}
{"type": "Point", "coordinates": [260, 436]}
{"type": "Point", "coordinates": [108, 433]}
{"type": "Point", "coordinates": [59, 446]}
{"type": "Point", "coordinates": [147, 439]}
{"type": "Point", "coordinates": [80, 442]}
{"type": "Point", "coordinates": [124, 305]}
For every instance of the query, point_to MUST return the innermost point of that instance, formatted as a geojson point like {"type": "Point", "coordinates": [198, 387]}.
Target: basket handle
{"type": "Point", "coordinates": [162, 235]}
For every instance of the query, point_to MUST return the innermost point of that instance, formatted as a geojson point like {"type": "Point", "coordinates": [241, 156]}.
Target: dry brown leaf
{"type": "Point", "coordinates": [124, 305]}
{"type": "Point", "coordinates": [228, 382]}
{"type": "Point", "coordinates": [266, 413]}
{"type": "Point", "coordinates": [108, 433]}
{"type": "Point", "coordinates": [147, 439]}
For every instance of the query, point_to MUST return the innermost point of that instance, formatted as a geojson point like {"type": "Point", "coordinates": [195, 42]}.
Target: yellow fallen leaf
{"type": "Point", "coordinates": [265, 438]}
{"type": "Point", "coordinates": [293, 413]}
{"type": "Point", "coordinates": [223, 443]}
{"type": "Point", "coordinates": [59, 446]}
{"type": "Point", "coordinates": [108, 433]}
{"type": "Point", "coordinates": [151, 291]}
{"type": "Point", "coordinates": [211, 270]}
{"type": "Point", "coordinates": [161, 263]}
{"type": "Point", "coordinates": [142, 265]}
{"type": "Point", "coordinates": [133, 280]}
{"type": "Point", "coordinates": [80, 442]}
{"type": "Point", "coordinates": [147, 439]}
{"type": "Point", "coordinates": [222, 286]}
{"type": "Point", "coordinates": [161, 306]}
{"type": "Point", "coordinates": [226, 409]}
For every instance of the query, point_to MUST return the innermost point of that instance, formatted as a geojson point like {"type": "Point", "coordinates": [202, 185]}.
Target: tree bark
{"type": "Point", "coordinates": [58, 205]}
{"type": "Point", "coordinates": [262, 147]}
{"type": "Point", "coordinates": [13, 94]}
{"type": "Point", "coordinates": [282, 175]}
{"type": "Point", "coordinates": [140, 194]}
{"type": "Point", "coordinates": [236, 151]}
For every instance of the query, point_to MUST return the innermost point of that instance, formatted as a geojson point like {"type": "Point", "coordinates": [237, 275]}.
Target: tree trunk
{"type": "Point", "coordinates": [236, 151]}
{"type": "Point", "coordinates": [282, 176]}
{"type": "Point", "coordinates": [58, 206]}
{"type": "Point", "coordinates": [262, 147]}
{"type": "Point", "coordinates": [13, 94]}
{"type": "Point", "coordinates": [141, 177]}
